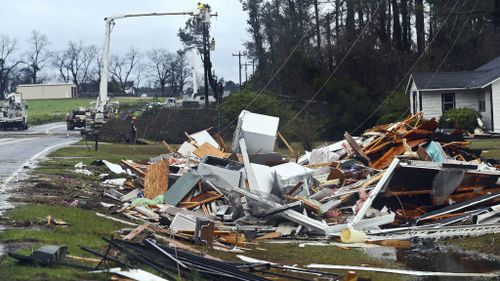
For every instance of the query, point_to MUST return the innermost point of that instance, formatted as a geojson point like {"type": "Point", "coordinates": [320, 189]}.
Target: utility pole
{"type": "Point", "coordinates": [253, 67]}
{"type": "Point", "coordinates": [246, 71]}
{"type": "Point", "coordinates": [205, 61]}
{"type": "Point", "coordinates": [239, 55]}
{"type": "Point", "coordinates": [205, 17]}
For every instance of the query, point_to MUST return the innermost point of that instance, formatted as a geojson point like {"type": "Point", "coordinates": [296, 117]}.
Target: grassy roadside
{"type": "Point", "coordinates": [53, 183]}
{"type": "Point", "coordinates": [490, 147]}
{"type": "Point", "coordinates": [47, 111]}
{"type": "Point", "coordinates": [84, 229]}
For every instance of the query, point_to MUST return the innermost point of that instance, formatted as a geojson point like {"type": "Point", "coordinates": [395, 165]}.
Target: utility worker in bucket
{"type": "Point", "coordinates": [201, 7]}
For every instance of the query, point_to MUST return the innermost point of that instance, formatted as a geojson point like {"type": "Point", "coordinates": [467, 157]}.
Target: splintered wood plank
{"type": "Point", "coordinates": [270, 235]}
{"type": "Point", "coordinates": [156, 179]}
{"type": "Point", "coordinates": [221, 143]}
{"type": "Point", "coordinates": [201, 199]}
{"type": "Point", "coordinates": [233, 239]}
{"type": "Point", "coordinates": [136, 231]}
{"type": "Point", "coordinates": [422, 153]}
{"type": "Point", "coordinates": [285, 142]}
{"type": "Point", "coordinates": [356, 148]}
{"type": "Point", "coordinates": [208, 149]}
{"type": "Point", "coordinates": [168, 147]}
{"type": "Point", "coordinates": [384, 161]}
{"type": "Point", "coordinates": [137, 168]}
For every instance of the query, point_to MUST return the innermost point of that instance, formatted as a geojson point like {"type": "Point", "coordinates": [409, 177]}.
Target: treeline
{"type": "Point", "coordinates": [81, 64]}
{"type": "Point", "coordinates": [358, 52]}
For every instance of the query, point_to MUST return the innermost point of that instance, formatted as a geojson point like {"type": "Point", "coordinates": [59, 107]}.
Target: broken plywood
{"type": "Point", "coordinates": [156, 179]}
{"type": "Point", "coordinates": [208, 149]}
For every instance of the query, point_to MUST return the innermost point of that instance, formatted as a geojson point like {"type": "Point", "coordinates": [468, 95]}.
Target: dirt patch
{"type": "Point", "coordinates": [80, 192]}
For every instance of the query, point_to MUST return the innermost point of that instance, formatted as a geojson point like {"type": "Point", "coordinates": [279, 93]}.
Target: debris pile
{"type": "Point", "coordinates": [378, 186]}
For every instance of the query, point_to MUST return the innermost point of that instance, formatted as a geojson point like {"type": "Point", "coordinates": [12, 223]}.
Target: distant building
{"type": "Point", "coordinates": [435, 93]}
{"type": "Point", "coordinates": [47, 91]}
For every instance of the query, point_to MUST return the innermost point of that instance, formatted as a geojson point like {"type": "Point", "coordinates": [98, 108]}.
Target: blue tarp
{"type": "Point", "coordinates": [435, 151]}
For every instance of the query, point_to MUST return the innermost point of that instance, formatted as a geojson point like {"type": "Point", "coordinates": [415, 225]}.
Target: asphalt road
{"type": "Point", "coordinates": [20, 149]}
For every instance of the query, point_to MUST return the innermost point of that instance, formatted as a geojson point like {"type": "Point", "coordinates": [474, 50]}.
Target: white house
{"type": "Point", "coordinates": [47, 91]}
{"type": "Point", "coordinates": [435, 93]}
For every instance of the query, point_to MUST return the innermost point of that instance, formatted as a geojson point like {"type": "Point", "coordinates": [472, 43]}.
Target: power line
{"type": "Point", "coordinates": [273, 77]}
{"type": "Point", "coordinates": [454, 43]}
{"type": "Point", "coordinates": [239, 55]}
{"type": "Point", "coordinates": [338, 65]}
{"type": "Point", "coordinates": [409, 72]}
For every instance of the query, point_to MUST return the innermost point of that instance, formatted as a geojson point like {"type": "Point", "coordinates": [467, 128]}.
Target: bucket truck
{"type": "Point", "coordinates": [14, 113]}
{"type": "Point", "coordinates": [102, 108]}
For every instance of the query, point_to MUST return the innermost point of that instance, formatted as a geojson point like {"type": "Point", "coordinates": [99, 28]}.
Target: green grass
{"type": "Point", "coordinates": [110, 152]}
{"type": "Point", "coordinates": [490, 147]}
{"type": "Point", "coordinates": [85, 229]}
{"type": "Point", "coordinates": [46, 111]}
{"type": "Point", "coordinates": [487, 244]}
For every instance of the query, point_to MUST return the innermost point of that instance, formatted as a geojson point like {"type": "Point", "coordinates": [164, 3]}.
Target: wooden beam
{"type": "Point", "coordinates": [288, 146]}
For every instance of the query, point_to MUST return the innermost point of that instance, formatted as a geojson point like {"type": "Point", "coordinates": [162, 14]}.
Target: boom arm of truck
{"type": "Point", "coordinates": [102, 99]}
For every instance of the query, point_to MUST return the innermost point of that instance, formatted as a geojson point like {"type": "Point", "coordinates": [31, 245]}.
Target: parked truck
{"type": "Point", "coordinates": [77, 118]}
{"type": "Point", "coordinates": [14, 113]}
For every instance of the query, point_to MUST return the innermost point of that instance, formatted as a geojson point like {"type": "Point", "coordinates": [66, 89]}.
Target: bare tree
{"type": "Point", "coordinates": [181, 71]}
{"type": "Point", "coordinates": [7, 63]}
{"type": "Point", "coordinates": [74, 63]}
{"type": "Point", "coordinates": [95, 73]}
{"type": "Point", "coordinates": [161, 61]}
{"type": "Point", "coordinates": [121, 68]}
{"type": "Point", "coordinates": [139, 75]}
{"type": "Point", "coordinates": [37, 56]}
{"type": "Point", "coordinates": [59, 62]}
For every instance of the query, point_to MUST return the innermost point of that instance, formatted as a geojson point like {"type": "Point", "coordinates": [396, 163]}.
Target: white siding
{"type": "Point", "coordinates": [495, 92]}
{"type": "Point", "coordinates": [431, 105]}
{"type": "Point", "coordinates": [467, 100]}
{"type": "Point", "coordinates": [487, 113]}
{"type": "Point", "coordinates": [412, 89]}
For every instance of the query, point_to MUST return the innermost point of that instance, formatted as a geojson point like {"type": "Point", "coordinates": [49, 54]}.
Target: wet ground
{"type": "Point", "coordinates": [20, 150]}
{"type": "Point", "coordinates": [440, 258]}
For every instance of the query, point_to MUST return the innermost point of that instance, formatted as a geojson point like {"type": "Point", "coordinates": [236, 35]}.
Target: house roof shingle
{"type": "Point", "coordinates": [477, 78]}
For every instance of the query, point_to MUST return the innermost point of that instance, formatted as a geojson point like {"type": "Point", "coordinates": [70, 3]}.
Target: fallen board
{"type": "Point", "coordinates": [208, 149]}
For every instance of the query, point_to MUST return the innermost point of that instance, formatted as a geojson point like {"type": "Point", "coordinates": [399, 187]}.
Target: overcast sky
{"type": "Point", "coordinates": [65, 20]}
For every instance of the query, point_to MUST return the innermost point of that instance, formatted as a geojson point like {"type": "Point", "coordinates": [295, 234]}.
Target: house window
{"type": "Point", "coordinates": [482, 102]}
{"type": "Point", "coordinates": [414, 97]}
{"type": "Point", "coordinates": [420, 101]}
{"type": "Point", "coordinates": [482, 106]}
{"type": "Point", "coordinates": [448, 101]}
